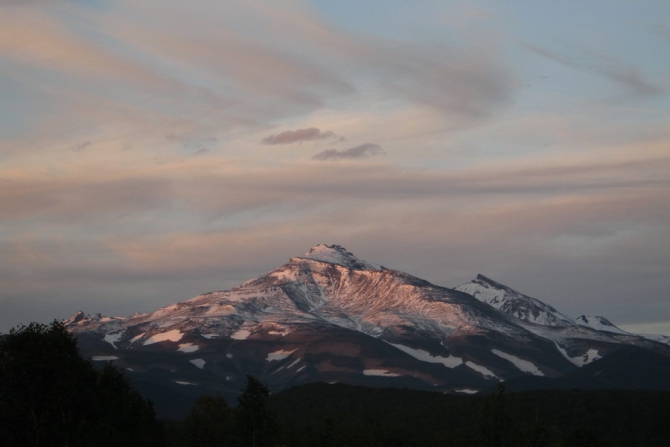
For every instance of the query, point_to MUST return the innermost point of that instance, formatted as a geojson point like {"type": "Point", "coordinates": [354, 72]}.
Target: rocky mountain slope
{"type": "Point", "coordinates": [329, 316]}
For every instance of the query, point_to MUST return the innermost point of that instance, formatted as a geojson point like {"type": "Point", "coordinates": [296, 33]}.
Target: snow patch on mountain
{"type": "Point", "coordinates": [173, 335]}
{"type": "Point", "coordinates": [104, 358]}
{"type": "Point", "coordinates": [113, 338]}
{"type": "Point", "coordinates": [188, 347]}
{"type": "Point", "coordinates": [380, 373]}
{"type": "Point", "coordinates": [284, 274]}
{"type": "Point", "coordinates": [295, 362]}
{"type": "Point", "coordinates": [467, 391]}
{"type": "Point", "coordinates": [425, 356]}
{"type": "Point", "coordinates": [484, 371]}
{"type": "Point", "coordinates": [523, 365]}
{"type": "Point", "coordinates": [241, 334]}
{"type": "Point", "coordinates": [581, 360]}
{"type": "Point", "coordinates": [199, 363]}
{"type": "Point", "coordinates": [279, 355]}
{"type": "Point", "coordinates": [283, 332]}
{"type": "Point", "coordinates": [181, 382]}
{"type": "Point", "coordinates": [137, 337]}
{"type": "Point", "coordinates": [221, 310]}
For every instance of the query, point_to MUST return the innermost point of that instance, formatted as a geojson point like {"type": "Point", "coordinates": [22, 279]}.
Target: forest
{"type": "Point", "coordinates": [51, 396]}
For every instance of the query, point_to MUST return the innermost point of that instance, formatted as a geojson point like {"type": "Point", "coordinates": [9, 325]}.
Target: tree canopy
{"type": "Point", "coordinates": [51, 396]}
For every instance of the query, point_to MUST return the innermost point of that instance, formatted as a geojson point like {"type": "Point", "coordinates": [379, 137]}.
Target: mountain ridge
{"type": "Point", "coordinates": [329, 316]}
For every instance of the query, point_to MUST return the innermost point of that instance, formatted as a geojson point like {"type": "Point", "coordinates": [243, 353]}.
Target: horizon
{"type": "Point", "coordinates": [153, 151]}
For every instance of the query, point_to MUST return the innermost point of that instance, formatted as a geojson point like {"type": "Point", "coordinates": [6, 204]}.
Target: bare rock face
{"type": "Point", "coordinates": [331, 317]}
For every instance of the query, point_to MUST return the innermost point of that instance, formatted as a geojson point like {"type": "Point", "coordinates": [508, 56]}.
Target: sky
{"type": "Point", "coordinates": [154, 150]}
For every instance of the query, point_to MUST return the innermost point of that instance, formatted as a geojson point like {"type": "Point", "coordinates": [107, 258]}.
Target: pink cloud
{"type": "Point", "coordinates": [298, 136]}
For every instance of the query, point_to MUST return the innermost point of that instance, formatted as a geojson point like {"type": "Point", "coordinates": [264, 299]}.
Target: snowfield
{"type": "Point", "coordinates": [279, 355]}
{"type": "Point", "coordinates": [379, 372]}
{"type": "Point", "coordinates": [113, 338]}
{"type": "Point", "coordinates": [242, 334]}
{"type": "Point", "coordinates": [425, 356]}
{"type": "Point", "coordinates": [523, 365]}
{"type": "Point", "coordinates": [173, 335]}
{"type": "Point", "coordinates": [104, 358]}
{"type": "Point", "coordinates": [198, 363]}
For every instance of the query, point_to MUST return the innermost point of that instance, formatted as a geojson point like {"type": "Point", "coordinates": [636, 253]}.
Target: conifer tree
{"type": "Point", "coordinates": [257, 425]}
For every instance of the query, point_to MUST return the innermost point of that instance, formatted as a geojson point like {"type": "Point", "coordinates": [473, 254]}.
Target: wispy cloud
{"type": "Point", "coordinates": [604, 66]}
{"type": "Point", "coordinates": [298, 136]}
{"type": "Point", "coordinates": [363, 151]}
{"type": "Point", "coordinates": [108, 107]}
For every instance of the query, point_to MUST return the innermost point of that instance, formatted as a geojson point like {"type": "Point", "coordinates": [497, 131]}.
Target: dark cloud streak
{"type": "Point", "coordinates": [606, 67]}
{"type": "Point", "coordinates": [298, 136]}
{"type": "Point", "coordinates": [363, 151]}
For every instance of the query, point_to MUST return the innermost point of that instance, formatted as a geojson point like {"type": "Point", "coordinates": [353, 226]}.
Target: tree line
{"type": "Point", "coordinates": [51, 396]}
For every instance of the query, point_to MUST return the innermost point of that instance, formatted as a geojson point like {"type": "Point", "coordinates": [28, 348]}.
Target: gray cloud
{"type": "Point", "coordinates": [607, 67]}
{"type": "Point", "coordinates": [362, 151]}
{"type": "Point", "coordinates": [82, 146]}
{"type": "Point", "coordinates": [601, 227]}
{"type": "Point", "coordinates": [192, 143]}
{"type": "Point", "coordinates": [298, 136]}
{"type": "Point", "coordinates": [82, 200]}
{"type": "Point", "coordinates": [468, 84]}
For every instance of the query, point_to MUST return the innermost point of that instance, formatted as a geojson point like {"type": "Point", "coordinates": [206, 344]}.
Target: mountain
{"type": "Point", "coordinates": [532, 310]}
{"type": "Point", "coordinates": [328, 316]}
{"type": "Point", "coordinates": [581, 340]}
{"type": "Point", "coordinates": [514, 303]}
{"type": "Point", "coordinates": [599, 323]}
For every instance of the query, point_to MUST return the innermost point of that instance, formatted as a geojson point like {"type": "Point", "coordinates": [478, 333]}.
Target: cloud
{"type": "Point", "coordinates": [176, 81]}
{"type": "Point", "coordinates": [362, 151]}
{"type": "Point", "coordinates": [82, 146]}
{"type": "Point", "coordinates": [604, 66]}
{"type": "Point", "coordinates": [84, 199]}
{"type": "Point", "coordinates": [316, 62]}
{"type": "Point", "coordinates": [194, 144]}
{"type": "Point", "coordinates": [170, 232]}
{"type": "Point", "coordinates": [163, 65]}
{"type": "Point", "coordinates": [298, 136]}
{"type": "Point", "coordinates": [201, 191]}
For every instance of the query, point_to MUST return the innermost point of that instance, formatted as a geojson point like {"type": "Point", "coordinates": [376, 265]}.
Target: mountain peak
{"type": "Point", "coordinates": [511, 302]}
{"type": "Point", "coordinates": [485, 279]}
{"type": "Point", "coordinates": [598, 323]}
{"type": "Point", "coordinates": [336, 254]}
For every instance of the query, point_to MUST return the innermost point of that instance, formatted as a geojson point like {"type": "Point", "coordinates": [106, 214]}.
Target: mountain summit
{"type": "Point", "coordinates": [329, 316]}
{"type": "Point", "coordinates": [336, 254]}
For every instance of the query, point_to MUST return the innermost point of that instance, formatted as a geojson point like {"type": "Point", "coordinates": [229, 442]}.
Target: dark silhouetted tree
{"type": "Point", "coordinates": [494, 420]}
{"type": "Point", "coordinates": [51, 396]}
{"type": "Point", "coordinates": [210, 423]}
{"type": "Point", "coordinates": [256, 425]}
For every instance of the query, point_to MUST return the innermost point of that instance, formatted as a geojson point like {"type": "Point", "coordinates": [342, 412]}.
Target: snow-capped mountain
{"type": "Point", "coordinates": [329, 316]}
{"type": "Point", "coordinates": [599, 323]}
{"type": "Point", "coordinates": [575, 338]}
{"type": "Point", "coordinates": [514, 303]}
{"type": "Point", "coordinates": [529, 309]}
